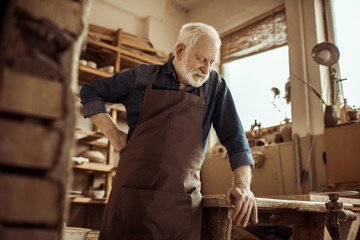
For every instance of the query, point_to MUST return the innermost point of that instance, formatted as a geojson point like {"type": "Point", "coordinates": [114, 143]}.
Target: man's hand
{"type": "Point", "coordinates": [245, 205]}
{"type": "Point", "coordinates": [241, 196]}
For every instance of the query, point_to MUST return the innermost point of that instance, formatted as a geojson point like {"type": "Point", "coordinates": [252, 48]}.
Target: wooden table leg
{"type": "Point", "coordinates": [216, 223]}
{"type": "Point", "coordinates": [313, 228]}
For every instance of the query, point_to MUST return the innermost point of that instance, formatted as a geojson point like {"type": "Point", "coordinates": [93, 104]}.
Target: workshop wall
{"type": "Point", "coordinates": [160, 26]}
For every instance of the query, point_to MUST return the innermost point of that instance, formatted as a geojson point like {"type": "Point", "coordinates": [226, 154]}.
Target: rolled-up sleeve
{"type": "Point", "coordinates": [115, 89]}
{"type": "Point", "coordinates": [229, 129]}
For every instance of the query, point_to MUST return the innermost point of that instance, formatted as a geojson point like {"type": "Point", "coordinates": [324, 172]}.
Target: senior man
{"type": "Point", "coordinates": [156, 192]}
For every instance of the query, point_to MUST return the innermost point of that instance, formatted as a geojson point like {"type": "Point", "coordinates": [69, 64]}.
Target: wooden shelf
{"type": "Point", "coordinates": [107, 47]}
{"type": "Point", "coordinates": [136, 54]}
{"type": "Point", "coordinates": [95, 167]}
{"type": "Point", "coordinates": [117, 107]}
{"type": "Point", "coordinates": [89, 200]}
{"type": "Point", "coordinates": [88, 74]}
{"type": "Point", "coordinates": [102, 44]}
{"type": "Point", "coordinates": [141, 56]}
{"type": "Point", "coordinates": [94, 134]}
{"type": "Point", "coordinates": [95, 71]}
{"type": "Point", "coordinates": [91, 138]}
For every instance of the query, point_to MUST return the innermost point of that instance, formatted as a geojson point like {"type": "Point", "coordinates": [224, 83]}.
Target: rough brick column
{"type": "Point", "coordinates": [40, 48]}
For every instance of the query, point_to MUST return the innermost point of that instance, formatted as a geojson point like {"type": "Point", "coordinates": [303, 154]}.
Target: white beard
{"type": "Point", "coordinates": [187, 75]}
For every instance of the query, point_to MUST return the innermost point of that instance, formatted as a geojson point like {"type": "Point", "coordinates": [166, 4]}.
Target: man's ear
{"type": "Point", "coordinates": [180, 51]}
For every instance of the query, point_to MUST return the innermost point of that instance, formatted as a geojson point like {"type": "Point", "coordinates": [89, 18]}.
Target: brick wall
{"type": "Point", "coordinates": [40, 46]}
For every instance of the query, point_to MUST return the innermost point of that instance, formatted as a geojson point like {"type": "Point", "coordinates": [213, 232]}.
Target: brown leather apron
{"type": "Point", "coordinates": [156, 194]}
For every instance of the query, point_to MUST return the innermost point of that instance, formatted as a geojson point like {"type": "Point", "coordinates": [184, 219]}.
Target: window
{"type": "Point", "coordinates": [255, 64]}
{"type": "Point", "coordinates": [251, 79]}
{"type": "Point", "coordinates": [347, 34]}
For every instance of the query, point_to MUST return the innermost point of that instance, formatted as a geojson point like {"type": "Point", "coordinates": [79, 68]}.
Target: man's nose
{"type": "Point", "coordinates": [206, 68]}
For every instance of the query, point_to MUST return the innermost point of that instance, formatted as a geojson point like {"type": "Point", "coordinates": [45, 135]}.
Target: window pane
{"type": "Point", "coordinates": [251, 79]}
{"type": "Point", "coordinates": [347, 35]}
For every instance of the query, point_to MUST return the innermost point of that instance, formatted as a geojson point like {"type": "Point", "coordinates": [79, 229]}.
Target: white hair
{"type": "Point", "coordinates": [190, 33]}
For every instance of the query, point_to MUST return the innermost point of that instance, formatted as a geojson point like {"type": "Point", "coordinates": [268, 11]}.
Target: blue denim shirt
{"type": "Point", "coordinates": [128, 88]}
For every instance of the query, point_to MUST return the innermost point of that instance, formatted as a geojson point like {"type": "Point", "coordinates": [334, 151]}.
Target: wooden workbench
{"type": "Point", "coordinates": [304, 214]}
{"type": "Point", "coordinates": [306, 219]}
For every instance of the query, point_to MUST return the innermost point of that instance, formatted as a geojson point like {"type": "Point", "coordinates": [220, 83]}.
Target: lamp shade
{"type": "Point", "coordinates": [325, 53]}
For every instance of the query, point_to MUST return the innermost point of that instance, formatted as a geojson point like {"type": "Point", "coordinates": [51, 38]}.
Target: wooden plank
{"type": "Point", "coordinates": [140, 57]}
{"type": "Point", "coordinates": [102, 30]}
{"type": "Point", "coordinates": [118, 55]}
{"type": "Point", "coordinates": [29, 200]}
{"type": "Point", "coordinates": [102, 44]}
{"type": "Point", "coordinates": [101, 36]}
{"type": "Point", "coordinates": [295, 204]}
{"type": "Point", "coordinates": [94, 71]}
{"type": "Point", "coordinates": [89, 200]}
{"type": "Point", "coordinates": [91, 137]}
{"type": "Point", "coordinates": [28, 145]}
{"type": "Point", "coordinates": [135, 42]}
{"type": "Point", "coordinates": [18, 90]}
{"type": "Point", "coordinates": [90, 133]}
{"type": "Point", "coordinates": [317, 198]}
{"type": "Point", "coordinates": [92, 142]}
{"type": "Point", "coordinates": [96, 167]}
{"type": "Point", "coordinates": [138, 45]}
{"type": "Point", "coordinates": [267, 203]}
{"type": "Point", "coordinates": [116, 106]}
{"type": "Point", "coordinates": [93, 235]}
{"type": "Point", "coordinates": [129, 61]}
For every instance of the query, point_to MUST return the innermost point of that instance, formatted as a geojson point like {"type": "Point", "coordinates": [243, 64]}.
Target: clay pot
{"type": "Point", "coordinates": [330, 117]}
{"type": "Point", "coordinates": [259, 159]}
{"type": "Point", "coordinates": [286, 132]}
{"type": "Point", "coordinates": [343, 112]}
{"type": "Point", "coordinates": [353, 115]}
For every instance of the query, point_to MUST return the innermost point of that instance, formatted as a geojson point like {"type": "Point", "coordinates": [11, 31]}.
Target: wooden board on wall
{"type": "Point", "coordinates": [343, 154]}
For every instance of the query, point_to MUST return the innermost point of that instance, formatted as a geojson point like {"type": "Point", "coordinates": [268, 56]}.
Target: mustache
{"type": "Point", "coordinates": [200, 74]}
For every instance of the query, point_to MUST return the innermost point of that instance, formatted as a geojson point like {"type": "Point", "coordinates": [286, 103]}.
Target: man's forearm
{"type": "Point", "coordinates": [242, 176]}
{"type": "Point", "coordinates": [108, 127]}
{"type": "Point", "coordinates": [241, 197]}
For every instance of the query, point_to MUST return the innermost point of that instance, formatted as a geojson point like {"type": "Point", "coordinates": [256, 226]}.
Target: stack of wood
{"type": "Point", "coordinates": [105, 47]}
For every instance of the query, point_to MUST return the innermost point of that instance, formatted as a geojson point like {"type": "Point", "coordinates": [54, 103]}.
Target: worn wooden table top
{"type": "Point", "coordinates": [93, 235]}
{"type": "Point", "coordinates": [218, 200]}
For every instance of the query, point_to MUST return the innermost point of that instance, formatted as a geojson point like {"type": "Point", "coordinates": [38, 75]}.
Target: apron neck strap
{"type": "Point", "coordinates": [153, 77]}
{"type": "Point", "coordinates": [201, 89]}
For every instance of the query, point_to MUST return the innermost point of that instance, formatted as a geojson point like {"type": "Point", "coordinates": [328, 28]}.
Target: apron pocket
{"type": "Point", "coordinates": [150, 214]}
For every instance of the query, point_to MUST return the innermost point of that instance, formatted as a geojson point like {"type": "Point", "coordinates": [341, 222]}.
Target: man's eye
{"type": "Point", "coordinates": [200, 59]}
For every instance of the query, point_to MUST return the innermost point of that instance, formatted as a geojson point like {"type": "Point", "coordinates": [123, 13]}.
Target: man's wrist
{"type": "Point", "coordinates": [241, 185]}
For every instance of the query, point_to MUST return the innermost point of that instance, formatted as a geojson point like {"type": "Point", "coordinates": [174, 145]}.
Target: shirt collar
{"type": "Point", "coordinates": [169, 67]}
